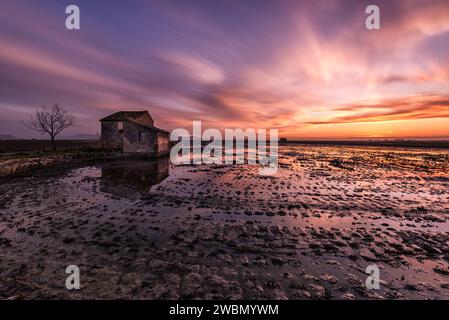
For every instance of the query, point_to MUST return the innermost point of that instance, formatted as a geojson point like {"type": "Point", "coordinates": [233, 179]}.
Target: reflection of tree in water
{"type": "Point", "coordinates": [138, 174]}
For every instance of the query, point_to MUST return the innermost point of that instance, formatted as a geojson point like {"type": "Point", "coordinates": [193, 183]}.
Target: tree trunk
{"type": "Point", "coordinates": [53, 144]}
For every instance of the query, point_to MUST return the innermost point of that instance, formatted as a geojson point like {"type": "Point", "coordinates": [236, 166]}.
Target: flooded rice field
{"type": "Point", "coordinates": [152, 230]}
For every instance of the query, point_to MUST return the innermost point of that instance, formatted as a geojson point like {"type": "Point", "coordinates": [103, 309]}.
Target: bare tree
{"type": "Point", "coordinates": [51, 121]}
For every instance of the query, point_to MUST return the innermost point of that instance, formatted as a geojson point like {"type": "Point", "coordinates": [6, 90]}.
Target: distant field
{"type": "Point", "coordinates": [437, 144]}
{"type": "Point", "coordinates": [32, 145]}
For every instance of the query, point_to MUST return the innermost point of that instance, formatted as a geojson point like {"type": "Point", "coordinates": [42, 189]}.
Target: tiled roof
{"type": "Point", "coordinates": [148, 126]}
{"type": "Point", "coordinates": [121, 115]}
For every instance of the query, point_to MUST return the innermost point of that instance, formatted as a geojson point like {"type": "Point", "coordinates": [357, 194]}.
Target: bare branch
{"type": "Point", "coordinates": [51, 121]}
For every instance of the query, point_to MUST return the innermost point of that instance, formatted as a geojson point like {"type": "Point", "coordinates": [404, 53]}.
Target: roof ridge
{"type": "Point", "coordinates": [119, 114]}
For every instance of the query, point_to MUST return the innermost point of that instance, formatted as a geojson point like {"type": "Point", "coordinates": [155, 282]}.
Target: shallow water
{"type": "Point", "coordinates": [140, 229]}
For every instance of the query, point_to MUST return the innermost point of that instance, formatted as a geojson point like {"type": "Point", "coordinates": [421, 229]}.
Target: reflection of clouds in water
{"type": "Point", "coordinates": [260, 155]}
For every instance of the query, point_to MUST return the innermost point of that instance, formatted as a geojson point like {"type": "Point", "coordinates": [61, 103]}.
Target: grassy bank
{"type": "Point", "coordinates": [18, 156]}
{"type": "Point", "coordinates": [35, 145]}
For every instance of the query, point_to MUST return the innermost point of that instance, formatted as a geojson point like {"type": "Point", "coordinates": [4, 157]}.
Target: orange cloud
{"type": "Point", "coordinates": [406, 108]}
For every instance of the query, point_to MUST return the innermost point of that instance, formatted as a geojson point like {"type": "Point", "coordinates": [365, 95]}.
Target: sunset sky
{"type": "Point", "coordinates": [308, 68]}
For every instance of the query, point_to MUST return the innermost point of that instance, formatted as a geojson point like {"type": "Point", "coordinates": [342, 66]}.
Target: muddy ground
{"type": "Point", "coordinates": [151, 230]}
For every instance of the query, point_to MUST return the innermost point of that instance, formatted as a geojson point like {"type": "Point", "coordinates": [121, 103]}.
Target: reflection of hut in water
{"type": "Point", "coordinates": [139, 174]}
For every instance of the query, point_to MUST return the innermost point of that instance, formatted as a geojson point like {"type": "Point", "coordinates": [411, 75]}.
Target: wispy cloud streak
{"type": "Point", "coordinates": [294, 65]}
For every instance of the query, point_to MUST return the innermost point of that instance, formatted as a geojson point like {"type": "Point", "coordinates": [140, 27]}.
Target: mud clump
{"type": "Point", "coordinates": [142, 230]}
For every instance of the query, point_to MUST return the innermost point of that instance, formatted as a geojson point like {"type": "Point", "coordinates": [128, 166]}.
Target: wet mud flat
{"type": "Point", "coordinates": [152, 230]}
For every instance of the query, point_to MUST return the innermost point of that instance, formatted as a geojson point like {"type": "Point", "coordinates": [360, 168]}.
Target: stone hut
{"type": "Point", "coordinates": [134, 132]}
